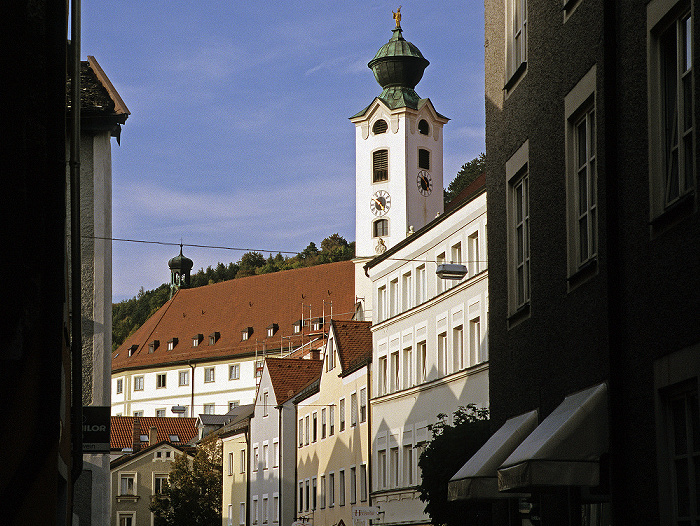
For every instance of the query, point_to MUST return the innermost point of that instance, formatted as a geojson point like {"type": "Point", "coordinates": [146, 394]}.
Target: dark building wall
{"type": "Point", "coordinates": [35, 473]}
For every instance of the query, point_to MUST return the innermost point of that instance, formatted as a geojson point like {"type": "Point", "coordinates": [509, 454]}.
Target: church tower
{"type": "Point", "coordinates": [180, 267]}
{"type": "Point", "coordinates": [398, 140]}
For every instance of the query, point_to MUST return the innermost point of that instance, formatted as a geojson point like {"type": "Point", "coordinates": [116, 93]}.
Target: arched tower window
{"type": "Point", "coordinates": [380, 127]}
{"type": "Point", "coordinates": [380, 228]}
{"type": "Point", "coordinates": [380, 166]}
{"type": "Point", "coordinates": [423, 159]}
{"type": "Point", "coordinates": [424, 127]}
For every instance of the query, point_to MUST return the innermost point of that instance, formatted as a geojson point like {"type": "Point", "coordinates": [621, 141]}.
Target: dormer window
{"type": "Point", "coordinates": [424, 127]}
{"type": "Point", "coordinates": [197, 339]}
{"type": "Point", "coordinates": [172, 343]}
{"type": "Point", "coordinates": [214, 337]}
{"type": "Point", "coordinates": [297, 326]}
{"type": "Point", "coordinates": [246, 332]}
{"type": "Point", "coordinates": [153, 346]}
{"type": "Point", "coordinates": [174, 438]}
{"type": "Point", "coordinates": [272, 329]}
{"type": "Point", "coordinates": [133, 349]}
{"type": "Point", "coordinates": [380, 127]}
{"type": "Point", "coordinates": [143, 438]}
{"type": "Point", "coordinates": [317, 324]}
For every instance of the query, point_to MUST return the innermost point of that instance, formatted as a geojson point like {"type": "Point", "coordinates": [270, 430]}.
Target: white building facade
{"type": "Point", "coordinates": [430, 349]}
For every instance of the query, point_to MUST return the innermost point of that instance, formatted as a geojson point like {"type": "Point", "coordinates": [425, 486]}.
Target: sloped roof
{"type": "Point", "coordinates": [122, 430]}
{"type": "Point", "coordinates": [227, 307]}
{"type": "Point", "coordinates": [234, 415]}
{"type": "Point", "coordinates": [291, 375]}
{"type": "Point", "coordinates": [353, 343]}
{"type": "Point", "coordinates": [128, 458]}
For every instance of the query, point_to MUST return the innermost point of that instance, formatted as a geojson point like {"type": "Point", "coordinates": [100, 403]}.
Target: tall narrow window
{"type": "Point", "coordinates": [381, 303]}
{"type": "Point", "coordinates": [439, 260]}
{"type": "Point", "coordinates": [473, 255]}
{"type": "Point", "coordinates": [380, 166]}
{"type": "Point", "coordinates": [407, 291]}
{"type": "Point", "coordinates": [394, 297]}
{"type": "Point", "coordinates": [363, 404]}
{"type": "Point", "coordinates": [341, 414]}
{"type": "Point", "coordinates": [521, 228]}
{"type": "Point", "coordinates": [394, 460]}
{"type": "Point", "coordinates": [395, 372]}
{"type": "Point", "coordinates": [331, 489]}
{"type": "Point", "coordinates": [423, 159]}
{"type": "Point", "coordinates": [421, 285]}
{"type": "Point", "coordinates": [353, 485]}
{"type": "Point", "coordinates": [516, 39]}
{"type": "Point", "coordinates": [424, 127]}
{"type": "Point", "coordinates": [380, 228]}
{"type": "Point", "coordinates": [341, 487]}
{"type": "Point", "coordinates": [442, 353]}
{"type": "Point", "coordinates": [676, 76]}
{"type": "Point", "coordinates": [381, 474]}
{"type": "Point", "coordinates": [587, 211]}
{"type": "Point", "coordinates": [407, 367]}
{"type": "Point", "coordinates": [331, 420]}
{"type": "Point", "coordinates": [323, 423]}
{"type": "Point", "coordinates": [408, 465]}
{"type": "Point", "coordinates": [307, 432]}
{"type": "Point", "coordinates": [363, 482]}
{"type": "Point", "coordinates": [382, 376]}
{"type": "Point", "coordinates": [475, 355]}
{"type": "Point", "coordinates": [353, 410]}
{"type": "Point", "coordinates": [421, 368]}
{"type": "Point", "coordinates": [457, 348]}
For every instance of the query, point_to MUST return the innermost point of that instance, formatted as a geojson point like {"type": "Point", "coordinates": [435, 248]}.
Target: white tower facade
{"type": "Point", "coordinates": [398, 142]}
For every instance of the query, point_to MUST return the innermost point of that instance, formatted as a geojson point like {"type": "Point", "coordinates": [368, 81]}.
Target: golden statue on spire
{"type": "Point", "coordinates": [397, 17]}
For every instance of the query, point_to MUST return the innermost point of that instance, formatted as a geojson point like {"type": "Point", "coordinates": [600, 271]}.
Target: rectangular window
{"type": "Point", "coordinates": [516, 40]}
{"type": "Point", "coordinates": [395, 372]}
{"type": "Point", "coordinates": [353, 409]}
{"type": "Point", "coordinates": [423, 159]}
{"type": "Point", "coordinates": [421, 355]}
{"type": "Point", "coordinates": [234, 371]}
{"type": "Point", "coordinates": [307, 430]}
{"type": "Point", "coordinates": [363, 482]}
{"type": "Point", "coordinates": [323, 491]}
{"type": "Point", "coordinates": [314, 490]}
{"type": "Point", "coordinates": [341, 487]}
{"type": "Point", "coordinates": [209, 409]}
{"type": "Point", "coordinates": [380, 166]}
{"type": "Point", "coordinates": [381, 473]}
{"type": "Point", "coordinates": [330, 356]}
{"type": "Point", "coordinates": [314, 427]}
{"type": "Point", "coordinates": [440, 260]}
{"type": "Point", "coordinates": [241, 514]}
{"type": "Point", "coordinates": [275, 453]}
{"type": "Point", "coordinates": [275, 508]}
{"type": "Point", "coordinates": [233, 404]}
{"type": "Point", "coordinates": [266, 397]}
{"type": "Point", "coordinates": [138, 414]}
{"type": "Point", "coordinates": [301, 432]}
{"type": "Point", "coordinates": [209, 374]}
{"type": "Point", "coordinates": [241, 462]}
{"type": "Point", "coordinates": [126, 484]}
{"type": "Point", "coordinates": [473, 248]}
{"type": "Point", "coordinates": [160, 380]}
{"type": "Point", "coordinates": [331, 490]}
{"type": "Point", "coordinates": [353, 485]}
{"type": "Point", "coordinates": [127, 519]}
{"type": "Point", "coordinates": [672, 143]}
{"type": "Point", "coordinates": [138, 383]}
{"type": "Point", "coordinates": [255, 510]}
{"type": "Point", "coordinates": [394, 297]}
{"type": "Point", "coordinates": [307, 501]}
{"type": "Point", "coordinates": [408, 367]}
{"type": "Point", "coordinates": [683, 439]}
{"type": "Point", "coordinates": [266, 455]}
{"type": "Point", "coordinates": [230, 463]}
{"type": "Point", "coordinates": [120, 386]}
{"type": "Point", "coordinates": [458, 348]}
{"type": "Point", "coordinates": [394, 459]}
{"type": "Point", "coordinates": [331, 420]}
{"type": "Point", "coordinates": [407, 291]}
{"type": "Point", "coordinates": [256, 458]}
{"type": "Point", "coordinates": [160, 413]}
{"type": "Point", "coordinates": [475, 354]}
{"type": "Point", "coordinates": [518, 220]}
{"type": "Point", "coordinates": [183, 378]}
{"type": "Point", "coordinates": [341, 414]}
{"type": "Point", "coordinates": [363, 404]}
{"type": "Point", "coordinates": [230, 515]}
{"type": "Point", "coordinates": [380, 228]}
{"type": "Point", "coordinates": [408, 465]}
{"type": "Point", "coordinates": [421, 285]}
{"type": "Point", "coordinates": [159, 483]}
{"type": "Point", "coordinates": [381, 303]}
{"type": "Point", "coordinates": [442, 353]}
{"type": "Point", "coordinates": [323, 423]}
{"type": "Point", "coordinates": [382, 376]}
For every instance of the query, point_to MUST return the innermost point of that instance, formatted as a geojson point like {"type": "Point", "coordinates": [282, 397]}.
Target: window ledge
{"type": "Point", "coordinates": [127, 498]}
{"type": "Point", "coordinates": [515, 77]}
{"type": "Point", "coordinates": [583, 273]}
{"type": "Point", "coordinates": [676, 211]}
{"type": "Point", "coordinates": [519, 315]}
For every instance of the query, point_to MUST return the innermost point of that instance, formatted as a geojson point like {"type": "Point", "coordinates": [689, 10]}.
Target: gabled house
{"type": "Point", "coordinates": [234, 437]}
{"type": "Point", "coordinates": [128, 435]}
{"type": "Point", "coordinates": [333, 430]}
{"type": "Point", "coordinates": [139, 476]}
{"type": "Point", "coordinates": [273, 439]}
{"type": "Point", "coordinates": [202, 352]}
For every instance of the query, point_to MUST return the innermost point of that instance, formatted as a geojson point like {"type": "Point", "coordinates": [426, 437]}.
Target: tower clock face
{"type": "Point", "coordinates": [380, 202]}
{"type": "Point", "coordinates": [424, 182]}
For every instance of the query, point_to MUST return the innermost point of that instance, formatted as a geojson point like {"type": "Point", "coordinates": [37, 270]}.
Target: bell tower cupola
{"type": "Point", "coordinates": [180, 268]}
{"type": "Point", "coordinates": [398, 149]}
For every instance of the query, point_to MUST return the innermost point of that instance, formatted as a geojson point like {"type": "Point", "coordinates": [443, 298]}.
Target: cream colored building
{"type": "Point", "coordinates": [333, 430]}
{"type": "Point", "coordinates": [234, 440]}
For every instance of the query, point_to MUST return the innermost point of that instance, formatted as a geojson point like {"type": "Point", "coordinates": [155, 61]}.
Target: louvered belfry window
{"type": "Point", "coordinates": [380, 127]}
{"type": "Point", "coordinates": [423, 159]}
{"type": "Point", "coordinates": [380, 165]}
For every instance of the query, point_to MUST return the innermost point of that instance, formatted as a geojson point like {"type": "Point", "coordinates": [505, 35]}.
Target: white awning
{"type": "Point", "coordinates": [565, 448]}
{"type": "Point", "coordinates": [477, 478]}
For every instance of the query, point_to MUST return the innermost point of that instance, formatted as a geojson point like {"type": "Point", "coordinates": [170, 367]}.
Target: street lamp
{"type": "Point", "coordinates": [451, 271]}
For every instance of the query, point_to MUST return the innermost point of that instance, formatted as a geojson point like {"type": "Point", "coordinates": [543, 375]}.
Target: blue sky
{"type": "Point", "coordinates": [239, 133]}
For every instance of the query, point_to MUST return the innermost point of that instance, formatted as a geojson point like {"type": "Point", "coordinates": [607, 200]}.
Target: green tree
{"type": "Point", "coordinates": [466, 176]}
{"type": "Point", "coordinates": [192, 496]}
{"type": "Point", "coordinates": [451, 446]}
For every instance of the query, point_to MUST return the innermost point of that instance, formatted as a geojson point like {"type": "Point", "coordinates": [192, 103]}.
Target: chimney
{"type": "Point", "coordinates": [136, 436]}
{"type": "Point", "coordinates": [152, 435]}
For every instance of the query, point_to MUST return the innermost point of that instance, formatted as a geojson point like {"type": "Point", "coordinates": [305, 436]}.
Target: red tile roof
{"type": "Point", "coordinates": [290, 375]}
{"type": "Point", "coordinates": [354, 344]}
{"type": "Point", "coordinates": [227, 307]}
{"type": "Point", "coordinates": [122, 430]}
